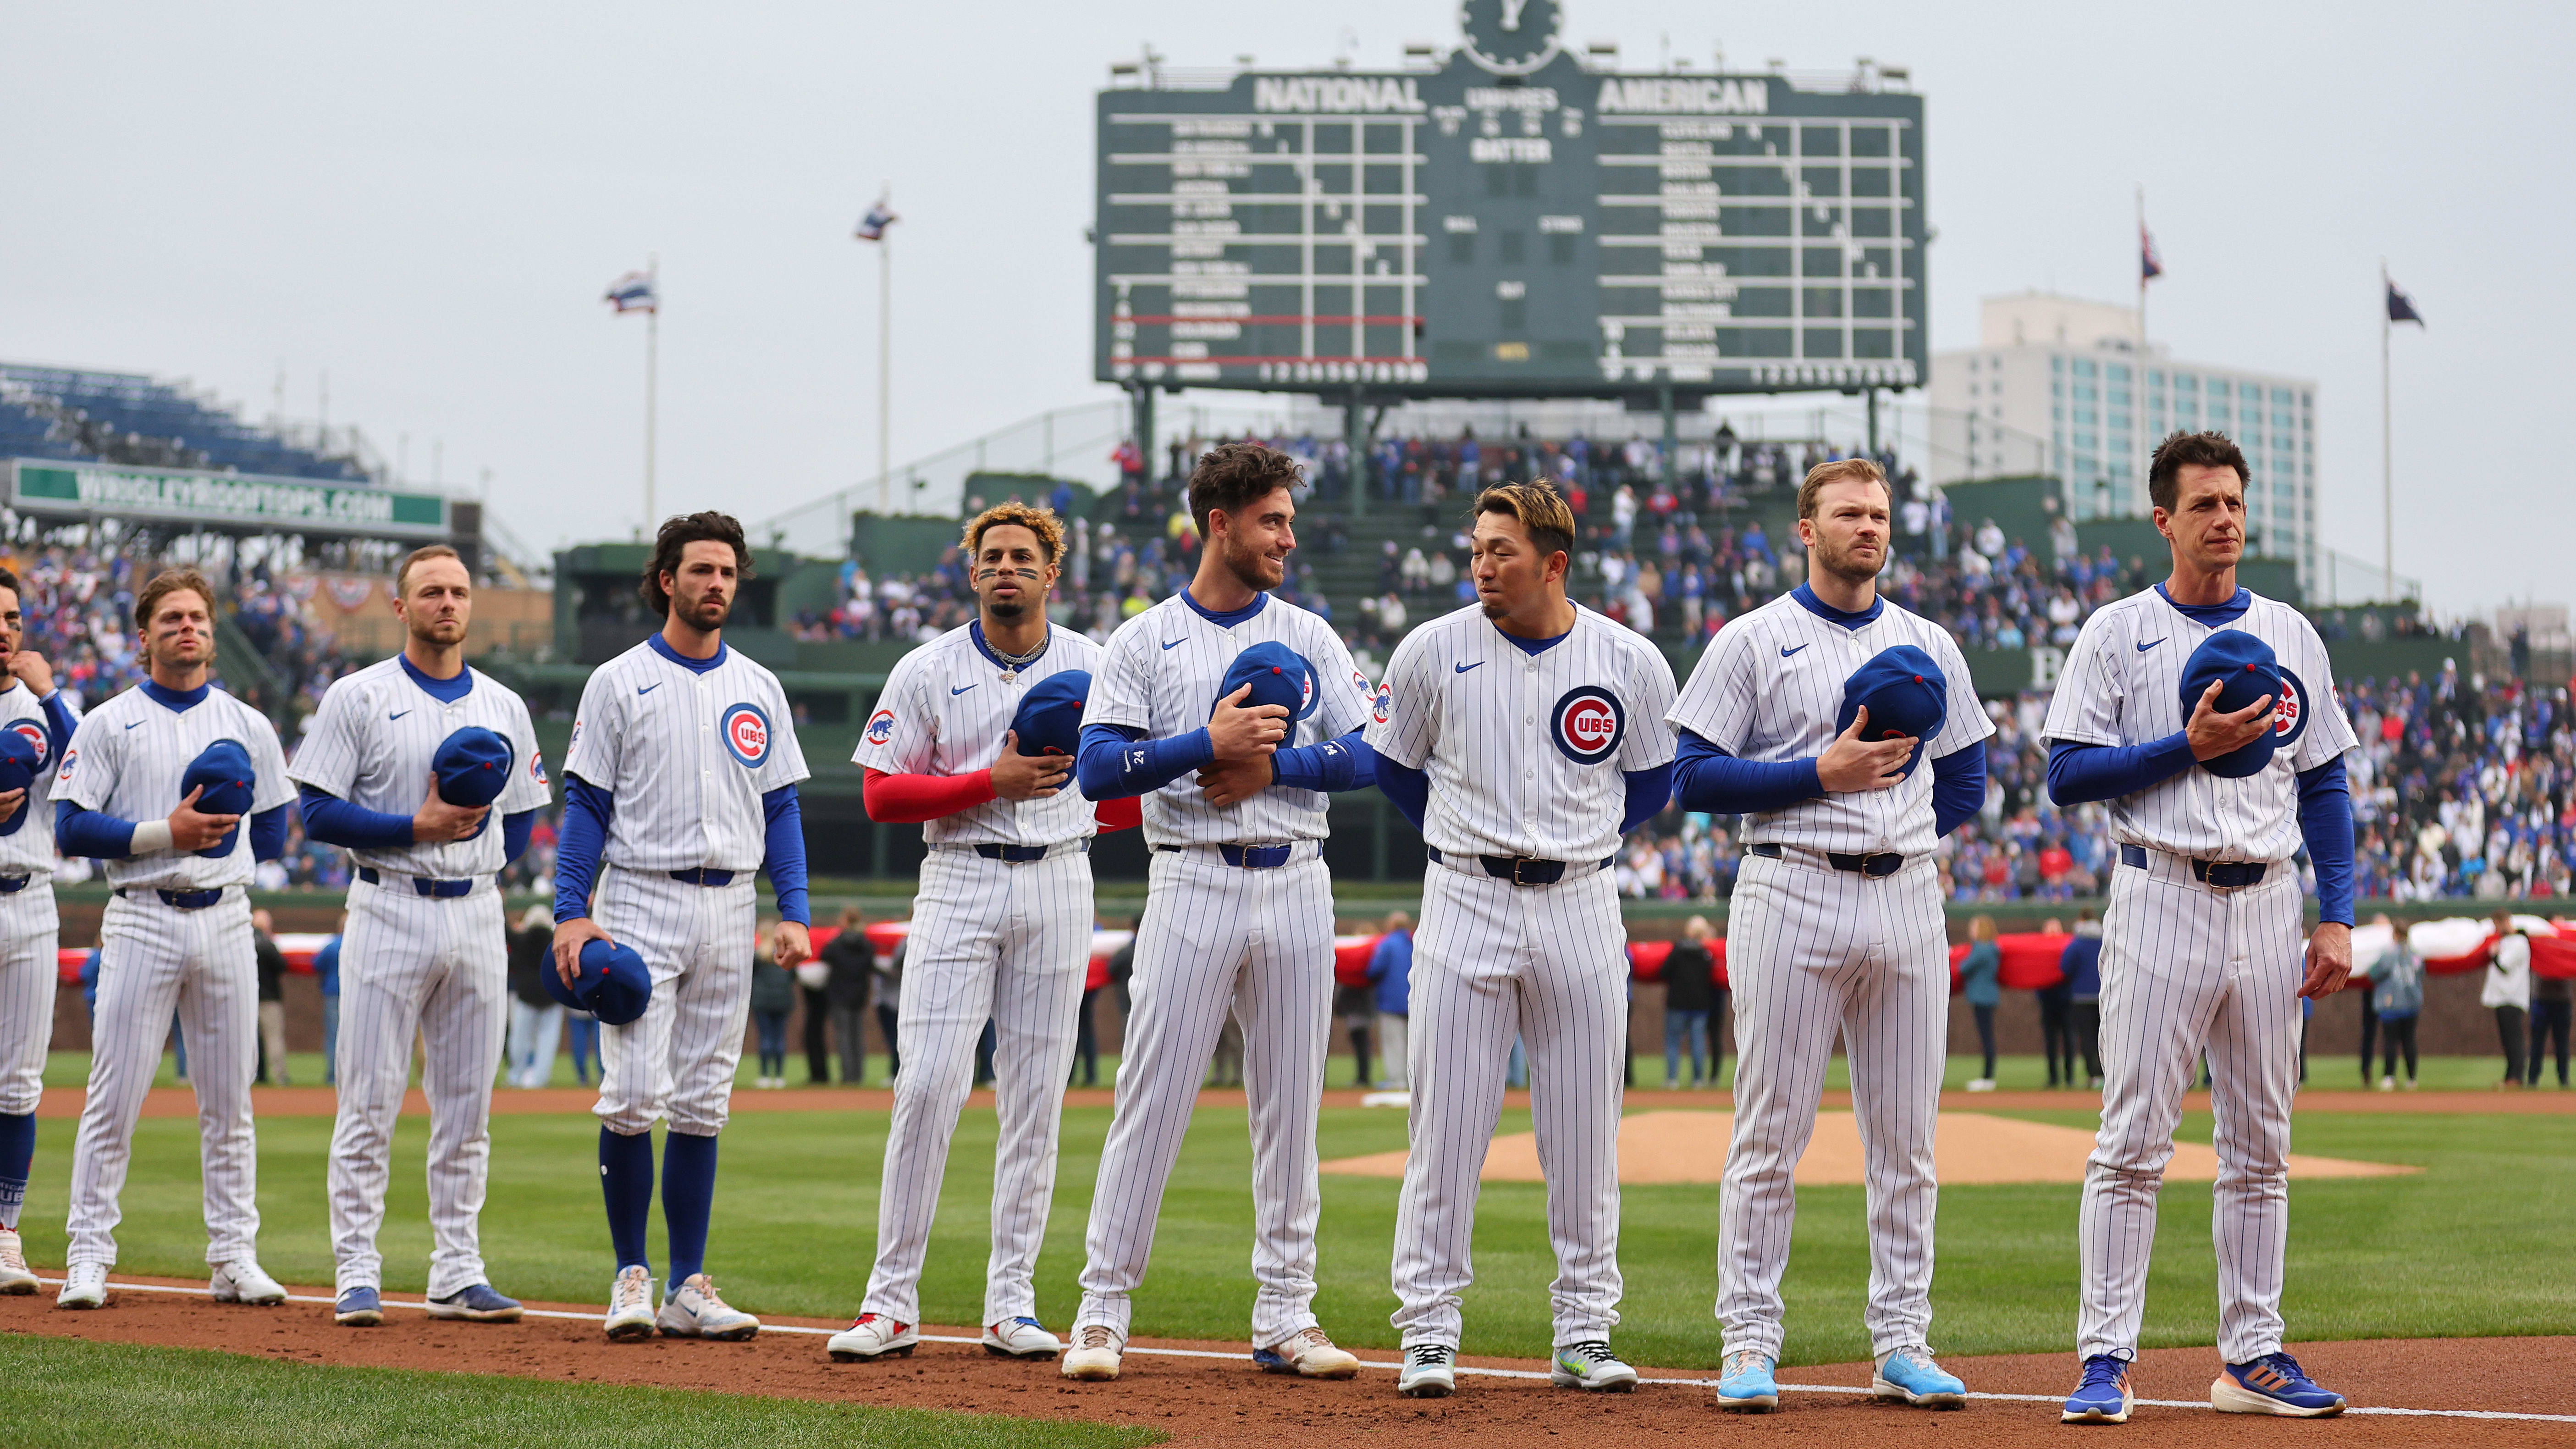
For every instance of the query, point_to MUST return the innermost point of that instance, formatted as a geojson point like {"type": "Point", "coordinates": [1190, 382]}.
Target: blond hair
{"type": "Point", "coordinates": [1841, 470]}
{"type": "Point", "coordinates": [1541, 511]}
{"type": "Point", "coordinates": [166, 583]}
{"type": "Point", "coordinates": [422, 554]}
{"type": "Point", "coordinates": [1040, 521]}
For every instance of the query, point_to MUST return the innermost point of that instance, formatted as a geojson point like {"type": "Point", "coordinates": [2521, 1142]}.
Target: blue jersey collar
{"type": "Point", "coordinates": [975, 634]}
{"type": "Point", "coordinates": [2212, 615]}
{"type": "Point", "coordinates": [1808, 601]}
{"type": "Point", "coordinates": [663, 647]}
{"type": "Point", "coordinates": [176, 699]}
{"type": "Point", "coordinates": [445, 691]}
{"type": "Point", "coordinates": [1231, 617]}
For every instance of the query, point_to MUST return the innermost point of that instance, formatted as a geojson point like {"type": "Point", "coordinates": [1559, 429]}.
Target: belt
{"type": "Point", "coordinates": [1023, 854]}
{"type": "Point", "coordinates": [421, 885]}
{"type": "Point", "coordinates": [703, 876]}
{"type": "Point", "coordinates": [2225, 875]}
{"type": "Point", "coordinates": [183, 900]}
{"type": "Point", "coordinates": [1522, 870]}
{"type": "Point", "coordinates": [1874, 864]}
{"type": "Point", "coordinates": [1247, 857]}
{"type": "Point", "coordinates": [10, 885]}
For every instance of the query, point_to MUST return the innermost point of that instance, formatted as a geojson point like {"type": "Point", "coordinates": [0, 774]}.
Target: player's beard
{"type": "Point", "coordinates": [702, 613]}
{"type": "Point", "coordinates": [1008, 611]}
{"type": "Point", "coordinates": [1252, 567]}
{"type": "Point", "coordinates": [427, 631]}
{"type": "Point", "coordinates": [1842, 565]}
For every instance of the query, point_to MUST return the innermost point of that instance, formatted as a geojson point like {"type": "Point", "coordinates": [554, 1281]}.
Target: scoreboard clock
{"type": "Point", "coordinates": [1510, 37]}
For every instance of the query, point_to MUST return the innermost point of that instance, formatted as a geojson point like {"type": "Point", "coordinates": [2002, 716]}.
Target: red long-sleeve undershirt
{"type": "Point", "coordinates": [911, 799]}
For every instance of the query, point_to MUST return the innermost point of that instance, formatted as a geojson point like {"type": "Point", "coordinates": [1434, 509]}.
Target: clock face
{"type": "Point", "coordinates": [1510, 37]}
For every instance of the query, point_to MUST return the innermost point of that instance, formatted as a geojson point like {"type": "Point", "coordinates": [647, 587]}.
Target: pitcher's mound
{"type": "Point", "coordinates": [1967, 1147]}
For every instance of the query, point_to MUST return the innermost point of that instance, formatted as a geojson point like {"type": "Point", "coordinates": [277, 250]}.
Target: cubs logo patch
{"type": "Point", "coordinates": [880, 727]}
{"type": "Point", "coordinates": [1360, 682]}
{"type": "Point", "coordinates": [2290, 711]}
{"type": "Point", "coordinates": [1383, 705]}
{"type": "Point", "coordinates": [34, 734]}
{"type": "Point", "coordinates": [1587, 724]}
{"type": "Point", "coordinates": [746, 734]}
{"type": "Point", "coordinates": [70, 758]}
{"type": "Point", "coordinates": [575, 742]}
{"type": "Point", "coordinates": [537, 766]}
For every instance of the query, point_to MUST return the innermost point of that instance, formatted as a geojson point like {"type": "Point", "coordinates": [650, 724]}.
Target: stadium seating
{"type": "Point", "coordinates": [122, 417]}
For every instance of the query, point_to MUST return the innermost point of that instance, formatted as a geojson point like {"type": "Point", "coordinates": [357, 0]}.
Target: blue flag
{"type": "Point", "coordinates": [2401, 308]}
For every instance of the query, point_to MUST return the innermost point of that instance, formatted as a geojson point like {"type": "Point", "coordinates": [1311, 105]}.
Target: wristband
{"type": "Point", "coordinates": [150, 835]}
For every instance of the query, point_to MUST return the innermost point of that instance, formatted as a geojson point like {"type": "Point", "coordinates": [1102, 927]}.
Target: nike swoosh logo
{"type": "Point", "coordinates": [952, 694]}
{"type": "Point", "coordinates": [648, 688]}
{"type": "Point", "coordinates": [1786, 651]}
{"type": "Point", "coordinates": [1463, 668]}
{"type": "Point", "coordinates": [2143, 648]}
{"type": "Point", "coordinates": [398, 714]}
{"type": "Point", "coordinates": [136, 725]}
{"type": "Point", "coordinates": [1175, 644]}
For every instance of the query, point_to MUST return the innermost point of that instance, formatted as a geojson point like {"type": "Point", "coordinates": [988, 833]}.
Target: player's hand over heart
{"type": "Point", "coordinates": [190, 830]}
{"type": "Point", "coordinates": [1025, 777]}
{"type": "Point", "coordinates": [437, 822]}
{"type": "Point", "coordinates": [790, 946]}
{"type": "Point", "coordinates": [1852, 763]}
{"type": "Point", "coordinates": [10, 800]}
{"type": "Point", "coordinates": [2329, 961]}
{"type": "Point", "coordinates": [2214, 734]}
{"type": "Point", "coordinates": [570, 936]}
{"type": "Point", "coordinates": [1245, 734]}
{"type": "Point", "coordinates": [1231, 782]}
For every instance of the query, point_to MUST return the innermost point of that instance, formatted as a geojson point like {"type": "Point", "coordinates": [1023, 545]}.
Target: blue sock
{"type": "Point", "coordinates": [626, 1180]}
{"type": "Point", "coordinates": [688, 1196]}
{"type": "Point", "coordinates": [17, 1150]}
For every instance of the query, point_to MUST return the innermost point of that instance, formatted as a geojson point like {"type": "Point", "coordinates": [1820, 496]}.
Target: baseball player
{"type": "Point", "coordinates": [177, 932]}
{"type": "Point", "coordinates": [391, 769]}
{"type": "Point", "coordinates": [2205, 715]}
{"type": "Point", "coordinates": [1239, 917]}
{"type": "Point", "coordinates": [35, 727]}
{"type": "Point", "coordinates": [680, 782]}
{"type": "Point", "coordinates": [1837, 924]}
{"type": "Point", "coordinates": [1001, 928]}
{"type": "Point", "coordinates": [1523, 735]}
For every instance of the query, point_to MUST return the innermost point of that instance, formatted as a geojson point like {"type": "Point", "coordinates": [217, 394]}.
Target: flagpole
{"type": "Point", "coordinates": [885, 374]}
{"type": "Point", "coordinates": [2146, 459]}
{"type": "Point", "coordinates": [2387, 452]}
{"type": "Point", "coordinates": [652, 379]}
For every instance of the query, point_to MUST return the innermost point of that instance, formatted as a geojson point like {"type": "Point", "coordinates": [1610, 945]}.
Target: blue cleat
{"type": "Point", "coordinates": [476, 1304]}
{"type": "Point", "coordinates": [1910, 1374]}
{"type": "Point", "coordinates": [358, 1307]}
{"type": "Point", "coordinates": [1745, 1383]}
{"type": "Point", "coordinates": [2103, 1397]}
{"type": "Point", "coordinates": [2272, 1384]}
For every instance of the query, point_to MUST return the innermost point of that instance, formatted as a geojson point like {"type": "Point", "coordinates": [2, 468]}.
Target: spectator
{"type": "Point", "coordinates": [1390, 971]}
{"type": "Point", "coordinates": [773, 996]}
{"type": "Point", "coordinates": [272, 998]}
{"type": "Point", "coordinates": [536, 1018]}
{"type": "Point", "coordinates": [2508, 991]}
{"type": "Point", "coordinates": [2551, 1001]}
{"type": "Point", "coordinates": [1086, 1029]}
{"type": "Point", "coordinates": [889, 994]}
{"type": "Point", "coordinates": [2081, 962]}
{"type": "Point", "coordinates": [1983, 993]}
{"type": "Point", "coordinates": [581, 1036]}
{"type": "Point", "coordinates": [1357, 1010]}
{"type": "Point", "coordinates": [1225, 1066]}
{"type": "Point", "coordinates": [2057, 1021]}
{"type": "Point", "coordinates": [849, 962]}
{"type": "Point", "coordinates": [326, 972]}
{"type": "Point", "coordinates": [1688, 982]}
{"type": "Point", "coordinates": [2399, 995]}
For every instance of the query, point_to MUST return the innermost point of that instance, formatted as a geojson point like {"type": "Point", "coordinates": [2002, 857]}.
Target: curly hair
{"type": "Point", "coordinates": [2181, 450]}
{"type": "Point", "coordinates": [1230, 476]}
{"type": "Point", "coordinates": [1040, 521]}
{"type": "Point", "coordinates": [677, 534]}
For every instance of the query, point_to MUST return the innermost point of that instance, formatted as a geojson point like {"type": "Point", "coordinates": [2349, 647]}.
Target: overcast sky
{"type": "Point", "coordinates": [428, 203]}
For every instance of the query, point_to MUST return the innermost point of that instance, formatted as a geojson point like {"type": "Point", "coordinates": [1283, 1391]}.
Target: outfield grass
{"type": "Point", "coordinates": [2473, 1245]}
{"type": "Point", "coordinates": [65, 1392]}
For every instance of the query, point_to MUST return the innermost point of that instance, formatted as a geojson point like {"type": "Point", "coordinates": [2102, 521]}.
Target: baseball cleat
{"type": "Point", "coordinates": [1021, 1337]}
{"type": "Point", "coordinates": [358, 1306]}
{"type": "Point", "coordinates": [2103, 1397]}
{"type": "Point", "coordinates": [1590, 1366]}
{"type": "Point", "coordinates": [630, 1304]}
{"type": "Point", "coordinates": [2272, 1384]}
{"type": "Point", "coordinates": [1094, 1354]}
{"type": "Point", "coordinates": [872, 1336]}
{"type": "Point", "coordinates": [241, 1281]}
{"type": "Point", "coordinates": [475, 1304]}
{"type": "Point", "coordinates": [1911, 1375]}
{"type": "Point", "coordinates": [1430, 1371]}
{"type": "Point", "coordinates": [1744, 1382]}
{"type": "Point", "coordinates": [14, 1276]}
{"type": "Point", "coordinates": [694, 1311]}
{"type": "Point", "coordinates": [1309, 1355]}
{"type": "Point", "coordinates": [84, 1286]}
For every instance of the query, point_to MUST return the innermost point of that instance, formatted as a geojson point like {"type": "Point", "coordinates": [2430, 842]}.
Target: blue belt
{"type": "Point", "coordinates": [1522, 870]}
{"type": "Point", "coordinates": [422, 885]}
{"type": "Point", "coordinates": [1248, 857]}
{"type": "Point", "coordinates": [703, 877]}
{"type": "Point", "coordinates": [1022, 854]}
{"type": "Point", "coordinates": [10, 885]}
{"type": "Point", "coordinates": [1877, 865]}
{"type": "Point", "coordinates": [2226, 875]}
{"type": "Point", "coordinates": [183, 900]}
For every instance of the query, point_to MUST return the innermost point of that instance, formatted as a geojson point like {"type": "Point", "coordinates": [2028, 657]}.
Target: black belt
{"type": "Point", "coordinates": [1021, 854]}
{"type": "Point", "coordinates": [1522, 870]}
{"type": "Point", "coordinates": [1876, 864]}
{"type": "Point", "coordinates": [183, 900]}
{"type": "Point", "coordinates": [2226, 875]}
{"type": "Point", "coordinates": [703, 877]}
{"type": "Point", "coordinates": [422, 885]}
{"type": "Point", "coordinates": [1247, 857]}
{"type": "Point", "coordinates": [10, 885]}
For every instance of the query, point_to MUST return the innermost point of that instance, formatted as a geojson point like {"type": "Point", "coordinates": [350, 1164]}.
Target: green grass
{"type": "Point", "coordinates": [66, 1392]}
{"type": "Point", "coordinates": [2473, 1245]}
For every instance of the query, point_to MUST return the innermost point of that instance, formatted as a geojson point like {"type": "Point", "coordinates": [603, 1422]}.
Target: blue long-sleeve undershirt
{"type": "Point", "coordinates": [101, 836]}
{"type": "Point", "coordinates": [1958, 787]}
{"type": "Point", "coordinates": [1649, 791]}
{"type": "Point", "coordinates": [515, 830]}
{"type": "Point", "coordinates": [1346, 763]}
{"type": "Point", "coordinates": [2325, 821]}
{"type": "Point", "coordinates": [784, 857]}
{"type": "Point", "coordinates": [588, 810]}
{"type": "Point", "coordinates": [59, 724]}
{"type": "Point", "coordinates": [1708, 778]}
{"type": "Point", "coordinates": [2080, 774]}
{"type": "Point", "coordinates": [334, 821]}
{"type": "Point", "coordinates": [267, 833]}
{"type": "Point", "coordinates": [1117, 761]}
{"type": "Point", "coordinates": [1409, 790]}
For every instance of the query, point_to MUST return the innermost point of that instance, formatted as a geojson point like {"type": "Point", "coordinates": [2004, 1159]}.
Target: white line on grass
{"type": "Point", "coordinates": [1490, 1373]}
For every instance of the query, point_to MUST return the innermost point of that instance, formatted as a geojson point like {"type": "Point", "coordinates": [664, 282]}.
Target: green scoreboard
{"type": "Point", "coordinates": [1510, 222]}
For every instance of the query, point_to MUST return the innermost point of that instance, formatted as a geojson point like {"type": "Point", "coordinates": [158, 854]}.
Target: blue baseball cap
{"type": "Point", "coordinates": [473, 766]}
{"type": "Point", "coordinates": [19, 757]}
{"type": "Point", "coordinates": [2245, 670]}
{"type": "Point", "coordinates": [223, 768]}
{"type": "Point", "coordinates": [1906, 695]}
{"type": "Point", "coordinates": [1278, 675]}
{"type": "Point", "coordinates": [614, 984]}
{"type": "Point", "coordinates": [1049, 721]}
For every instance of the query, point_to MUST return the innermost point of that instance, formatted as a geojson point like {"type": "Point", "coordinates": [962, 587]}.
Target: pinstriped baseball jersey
{"type": "Point", "coordinates": [371, 744]}
{"type": "Point", "coordinates": [127, 758]}
{"type": "Point", "coordinates": [2122, 685]}
{"type": "Point", "coordinates": [1160, 674]}
{"type": "Point", "coordinates": [1526, 752]}
{"type": "Point", "coordinates": [1769, 689]}
{"type": "Point", "coordinates": [687, 755]}
{"type": "Point", "coordinates": [945, 709]}
{"type": "Point", "coordinates": [30, 850]}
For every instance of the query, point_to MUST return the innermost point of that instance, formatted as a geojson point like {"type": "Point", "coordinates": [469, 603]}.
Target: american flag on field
{"type": "Point", "coordinates": [633, 293]}
{"type": "Point", "coordinates": [2150, 266]}
{"type": "Point", "coordinates": [2401, 308]}
{"type": "Point", "coordinates": [872, 227]}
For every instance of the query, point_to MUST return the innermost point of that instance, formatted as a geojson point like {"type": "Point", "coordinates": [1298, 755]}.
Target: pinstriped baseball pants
{"type": "Point", "coordinates": [1214, 939]}
{"type": "Point", "coordinates": [439, 968]}
{"type": "Point", "coordinates": [29, 935]}
{"type": "Point", "coordinates": [154, 959]}
{"type": "Point", "coordinates": [677, 1060]}
{"type": "Point", "coordinates": [1547, 964]}
{"type": "Point", "coordinates": [1813, 951]}
{"type": "Point", "coordinates": [2184, 967]}
{"type": "Point", "coordinates": [989, 940]}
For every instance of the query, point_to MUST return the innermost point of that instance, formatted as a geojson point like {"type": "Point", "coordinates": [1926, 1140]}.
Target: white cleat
{"type": "Point", "coordinates": [873, 1336]}
{"type": "Point", "coordinates": [84, 1286]}
{"type": "Point", "coordinates": [1021, 1337]}
{"type": "Point", "coordinates": [630, 1304]}
{"type": "Point", "coordinates": [1095, 1353]}
{"type": "Point", "coordinates": [241, 1281]}
{"type": "Point", "coordinates": [14, 1275]}
{"type": "Point", "coordinates": [1430, 1371]}
{"type": "Point", "coordinates": [1308, 1355]}
{"type": "Point", "coordinates": [694, 1311]}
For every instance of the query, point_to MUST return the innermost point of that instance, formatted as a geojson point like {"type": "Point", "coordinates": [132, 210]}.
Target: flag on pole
{"type": "Point", "coordinates": [2150, 266]}
{"type": "Point", "coordinates": [872, 227]}
{"type": "Point", "coordinates": [2401, 308]}
{"type": "Point", "coordinates": [633, 292]}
